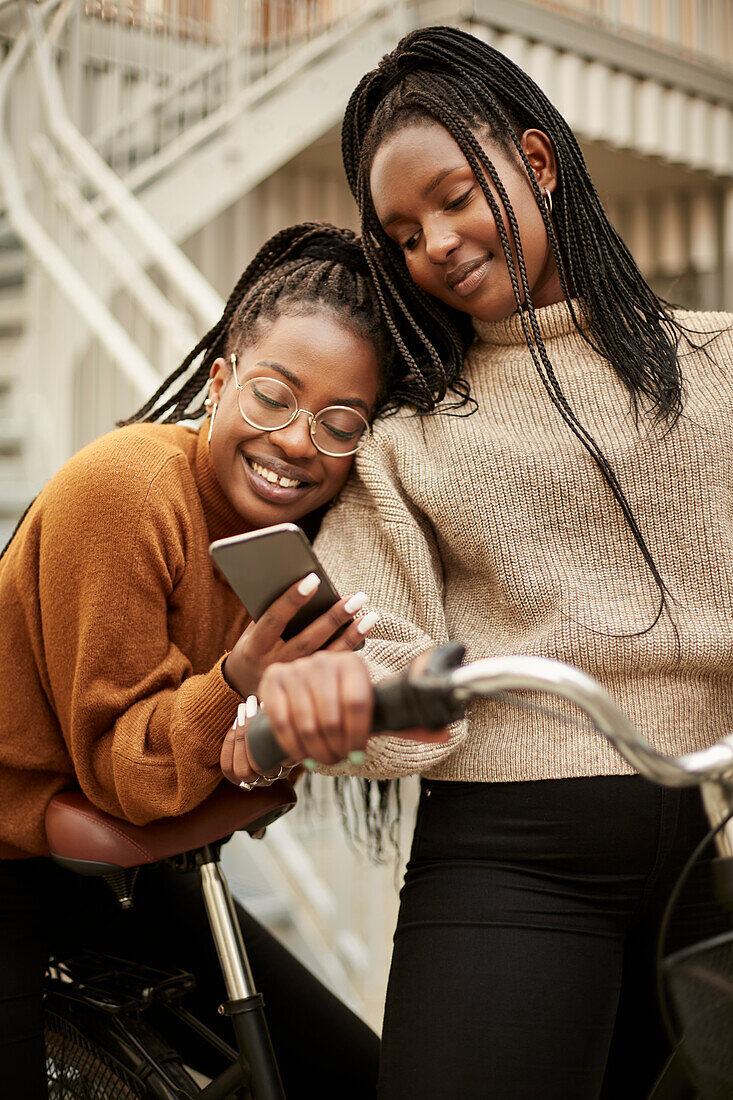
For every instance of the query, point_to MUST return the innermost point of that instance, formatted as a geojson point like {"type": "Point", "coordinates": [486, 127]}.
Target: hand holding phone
{"type": "Point", "coordinates": [286, 590]}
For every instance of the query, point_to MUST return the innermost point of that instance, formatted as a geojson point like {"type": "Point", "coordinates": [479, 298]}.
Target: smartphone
{"type": "Point", "coordinates": [260, 565]}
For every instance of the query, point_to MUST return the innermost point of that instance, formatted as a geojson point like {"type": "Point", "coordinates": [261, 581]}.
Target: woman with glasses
{"type": "Point", "coordinates": [125, 655]}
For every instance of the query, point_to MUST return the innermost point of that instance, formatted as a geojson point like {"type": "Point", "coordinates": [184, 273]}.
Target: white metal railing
{"type": "Point", "coordinates": [196, 87]}
{"type": "Point", "coordinates": [45, 249]}
{"type": "Point", "coordinates": [53, 198]}
{"type": "Point", "coordinates": [204, 303]}
{"type": "Point", "coordinates": [701, 30]}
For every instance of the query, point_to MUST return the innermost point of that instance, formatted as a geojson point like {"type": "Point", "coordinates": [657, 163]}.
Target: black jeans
{"type": "Point", "coordinates": [523, 962]}
{"type": "Point", "coordinates": [44, 908]}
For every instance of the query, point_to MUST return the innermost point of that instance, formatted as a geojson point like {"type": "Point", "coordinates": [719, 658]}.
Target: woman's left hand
{"type": "Point", "coordinates": [234, 759]}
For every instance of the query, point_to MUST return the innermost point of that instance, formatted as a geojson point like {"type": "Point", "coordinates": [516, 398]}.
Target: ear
{"type": "Point", "coordinates": [541, 156]}
{"type": "Point", "coordinates": [219, 374]}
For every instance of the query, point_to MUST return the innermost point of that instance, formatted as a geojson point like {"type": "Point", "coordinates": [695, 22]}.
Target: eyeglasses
{"type": "Point", "coordinates": [270, 405]}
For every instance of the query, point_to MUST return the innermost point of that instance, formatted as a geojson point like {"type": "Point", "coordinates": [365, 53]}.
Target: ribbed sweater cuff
{"type": "Point", "coordinates": [211, 708]}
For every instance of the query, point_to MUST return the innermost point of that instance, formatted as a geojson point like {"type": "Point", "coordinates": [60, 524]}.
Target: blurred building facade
{"type": "Point", "coordinates": [147, 148]}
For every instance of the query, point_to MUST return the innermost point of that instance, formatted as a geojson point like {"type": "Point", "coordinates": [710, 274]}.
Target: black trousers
{"type": "Point", "coordinates": [523, 962]}
{"type": "Point", "coordinates": [45, 909]}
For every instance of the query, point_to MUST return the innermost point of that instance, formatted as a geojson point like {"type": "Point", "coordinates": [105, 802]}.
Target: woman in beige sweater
{"type": "Point", "coordinates": [565, 490]}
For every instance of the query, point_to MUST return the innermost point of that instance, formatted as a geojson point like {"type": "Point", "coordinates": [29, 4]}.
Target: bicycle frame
{"type": "Point", "coordinates": [110, 995]}
{"type": "Point", "coordinates": [245, 1005]}
{"type": "Point", "coordinates": [709, 769]}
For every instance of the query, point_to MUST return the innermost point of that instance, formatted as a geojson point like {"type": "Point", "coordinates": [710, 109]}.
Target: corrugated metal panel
{"type": "Point", "coordinates": [604, 103]}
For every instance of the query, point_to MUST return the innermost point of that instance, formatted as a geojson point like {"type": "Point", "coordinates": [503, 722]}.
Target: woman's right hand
{"type": "Point", "coordinates": [262, 644]}
{"type": "Point", "coordinates": [320, 708]}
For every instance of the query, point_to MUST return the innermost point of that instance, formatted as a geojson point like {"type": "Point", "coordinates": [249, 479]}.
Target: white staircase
{"type": "Point", "coordinates": [120, 138]}
{"type": "Point", "coordinates": [283, 111]}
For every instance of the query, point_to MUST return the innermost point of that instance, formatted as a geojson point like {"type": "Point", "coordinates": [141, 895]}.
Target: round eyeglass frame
{"type": "Point", "coordinates": [312, 417]}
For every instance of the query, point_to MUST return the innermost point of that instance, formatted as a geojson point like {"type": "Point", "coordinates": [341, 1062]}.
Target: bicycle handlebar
{"type": "Point", "coordinates": [436, 689]}
{"type": "Point", "coordinates": [422, 695]}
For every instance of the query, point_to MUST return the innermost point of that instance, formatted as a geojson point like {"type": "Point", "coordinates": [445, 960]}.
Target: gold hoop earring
{"type": "Point", "coordinates": [548, 201]}
{"type": "Point", "coordinates": [213, 416]}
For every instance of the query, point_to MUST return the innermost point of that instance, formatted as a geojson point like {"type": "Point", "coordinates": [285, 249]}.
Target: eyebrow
{"type": "Point", "coordinates": [434, 182]}
{"type": "Point", "coordinates": [351, 402]}
{"type": "Point", "coordinates": [274, 365]}
{"type": "Point", "coordinates": [439, 177]}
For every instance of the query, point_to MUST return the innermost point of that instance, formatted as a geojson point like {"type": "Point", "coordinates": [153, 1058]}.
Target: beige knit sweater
{"type": "Point", "coordinates": [497, 530]}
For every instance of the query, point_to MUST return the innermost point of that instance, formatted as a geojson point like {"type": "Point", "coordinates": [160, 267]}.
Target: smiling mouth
{"type": "Point", "coordinates": [273, 477]}
{"type": "Point", "coordinates": [274, 482]}
{"type": "Point", "coordinates": [468, 277]}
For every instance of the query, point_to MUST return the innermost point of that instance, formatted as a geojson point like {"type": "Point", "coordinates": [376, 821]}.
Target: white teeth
{"type": "Point", "coordinates": [272, 477]}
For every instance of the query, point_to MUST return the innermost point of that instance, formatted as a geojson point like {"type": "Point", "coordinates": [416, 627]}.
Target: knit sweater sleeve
{"type": "Point", "coordinates": [376, 540]}
{"type": "Point", "coordinates": [143, 732]}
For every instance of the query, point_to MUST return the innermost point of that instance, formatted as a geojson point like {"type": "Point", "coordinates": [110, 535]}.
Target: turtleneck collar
{"type": "Point", "coordinates": [555, 320]}
{"type": "Point", "coordinates": [222, 519]}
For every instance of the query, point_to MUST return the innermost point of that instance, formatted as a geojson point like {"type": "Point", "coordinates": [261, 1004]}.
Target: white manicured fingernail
{"type": "Point", "coordinates": [251, 705]}
{"type": "Point", "coordinates": [241, 714]}
{"type": "Point", "coordinates": [309, 584]}
{"type": "Point", "coordinates": [356, 602]}
{"type": "Point", "coordinates": [367, 622]}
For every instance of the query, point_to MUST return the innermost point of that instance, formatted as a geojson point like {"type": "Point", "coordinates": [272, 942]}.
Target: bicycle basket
{"type": "Point", "coordinates": [700, 979]}
{"type": "Point", "coordinates": [79, 1069]}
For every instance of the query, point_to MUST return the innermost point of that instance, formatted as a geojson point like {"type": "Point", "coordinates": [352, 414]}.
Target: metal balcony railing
{"type": "Point", "coordinates": [162, 69]}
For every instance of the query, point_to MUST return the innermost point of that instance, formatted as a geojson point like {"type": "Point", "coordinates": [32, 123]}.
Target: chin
{"type": "Point", "coordinates": [493, 311]}
{"type": "Point", "coordinates": [264, 514]}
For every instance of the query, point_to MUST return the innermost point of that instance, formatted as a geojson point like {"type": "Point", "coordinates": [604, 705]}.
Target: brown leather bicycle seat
{"type": "Point", "coordinates": [91, 841]}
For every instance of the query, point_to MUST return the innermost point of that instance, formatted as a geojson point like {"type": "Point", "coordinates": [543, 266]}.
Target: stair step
{"type": "Point", "coordinates": [13, 312]}
{"type": "Point", "coordinates": [12, 435]}
{"type": "Point", "coordinates": [7, 382]}
{"type": "Point", "coordinates": [8, 238]}
{"type": "Point", "coordinates": [13, 266]}
{"type": "Point", "coordinates": [8, 348]}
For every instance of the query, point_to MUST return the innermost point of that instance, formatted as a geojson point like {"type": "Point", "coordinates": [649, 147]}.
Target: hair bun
{"type": "Point", "coordinates": [344, 248]}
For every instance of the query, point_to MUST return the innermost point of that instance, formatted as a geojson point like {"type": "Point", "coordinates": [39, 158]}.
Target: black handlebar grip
{"type": "Point", "coordinates": [420, 696]}
{"type": "Point", "coordinates": [261, 744]}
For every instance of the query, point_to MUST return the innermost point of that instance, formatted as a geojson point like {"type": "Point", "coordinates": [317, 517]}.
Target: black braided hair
{"type": "Point", "coordinates": [444, 75]}
{"type": "Point", "coordinates": [303, 268]}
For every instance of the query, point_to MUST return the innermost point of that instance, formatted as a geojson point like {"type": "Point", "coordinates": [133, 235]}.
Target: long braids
{"type": "Point", "coordinates": [306, 266]}
{"type": "Point", "coordinates": [443, 75]}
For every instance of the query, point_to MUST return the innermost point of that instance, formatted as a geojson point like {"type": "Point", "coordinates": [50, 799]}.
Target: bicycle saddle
{"type": "Point", "coordinates": [85, 839]}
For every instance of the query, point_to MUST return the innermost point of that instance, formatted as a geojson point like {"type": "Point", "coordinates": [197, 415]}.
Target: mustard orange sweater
{"type": "Point", "coordinates": [113, 626]}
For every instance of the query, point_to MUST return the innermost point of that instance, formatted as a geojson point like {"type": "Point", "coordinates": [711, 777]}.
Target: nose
{"type": "Point", "coordinates": [295, 439]}
{"type": "Point", "coordinates": [440, 240]}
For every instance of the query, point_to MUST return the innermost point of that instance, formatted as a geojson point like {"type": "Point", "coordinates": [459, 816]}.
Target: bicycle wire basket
{"type": "Point", "coordinates": [79, 1069]}
{"type": "Point", "coordinates": [700, 980]}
